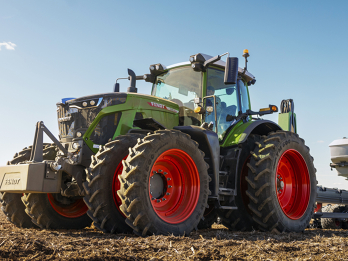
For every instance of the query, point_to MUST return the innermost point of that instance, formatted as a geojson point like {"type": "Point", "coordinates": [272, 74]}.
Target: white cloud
{"type": "Point", "coordinates": [8, 45]}
{"type": "Point", "coordinates": [320, 141]}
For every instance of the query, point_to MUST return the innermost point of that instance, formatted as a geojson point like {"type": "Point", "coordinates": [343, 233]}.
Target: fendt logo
{"type": "Point", "coordinates": [12, 181]}
{"type": "Point", "coordinates": [162, 106]}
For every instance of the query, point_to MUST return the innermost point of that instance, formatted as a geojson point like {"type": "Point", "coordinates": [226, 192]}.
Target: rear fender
{"type": "Point", "coordinates": [241, 132]}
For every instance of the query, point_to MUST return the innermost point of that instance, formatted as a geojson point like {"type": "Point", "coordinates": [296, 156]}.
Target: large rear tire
{"type": "Point", "coordinates": [12, 205]}
{"type": "Point", "coordinates": [102, 185]}
{"type": "Point", "coordinates": [240, 219]}
{"type": "Point", "coordinates": [281, 183]}
{"type": "Point", "coordinates": [164, 184]}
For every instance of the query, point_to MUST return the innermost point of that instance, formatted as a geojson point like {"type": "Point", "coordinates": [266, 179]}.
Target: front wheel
{"type": "Point", "coordinates": [53, 211]}
{"type": "Point", "coordinates": [12, 205]}
{"type": "Point", "coordinates": [164, 184]}
{"type": "Point", "coordinates": [281, 183]}
{"type": "Point", "coordinates": [102, 185]}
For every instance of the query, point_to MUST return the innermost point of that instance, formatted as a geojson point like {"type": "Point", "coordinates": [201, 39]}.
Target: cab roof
{"type": "Point", "coordinates": [219, 63]}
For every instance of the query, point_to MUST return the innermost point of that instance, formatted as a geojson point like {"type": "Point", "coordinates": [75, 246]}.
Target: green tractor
{"type": "Point", "coordinates": [165, 163]}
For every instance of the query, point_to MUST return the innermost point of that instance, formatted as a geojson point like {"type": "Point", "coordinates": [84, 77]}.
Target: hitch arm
{"type": "Point", "coordinates": [37, 150]}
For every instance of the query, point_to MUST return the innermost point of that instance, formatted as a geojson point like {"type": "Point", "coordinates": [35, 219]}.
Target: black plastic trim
{"type": "Point", "coordinates": [209, 143]}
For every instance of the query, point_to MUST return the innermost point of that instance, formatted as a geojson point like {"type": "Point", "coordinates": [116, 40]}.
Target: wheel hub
{"type": "Point", "coordinates": [280, 184]}
{"type": "Point", "coordinates": [161, 186]}
{"type": "Point", "coordinates": [158, 185]}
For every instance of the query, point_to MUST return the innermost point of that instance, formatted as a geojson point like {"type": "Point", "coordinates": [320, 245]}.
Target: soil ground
{"type": "Point", "coordinates": [214, 244]}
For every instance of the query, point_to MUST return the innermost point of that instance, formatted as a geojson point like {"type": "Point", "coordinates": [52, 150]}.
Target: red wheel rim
{"type": "Point", "coordinates": [116, 185]}
{"type": "Point", "coordinates": [73, 210]}
{"type": "Point", "coordinates": [174, 186]}
{"type": "Point", "coordinates": [293, 184]}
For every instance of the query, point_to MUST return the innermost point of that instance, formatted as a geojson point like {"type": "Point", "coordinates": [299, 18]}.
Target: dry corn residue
{"type": "Point", "coordinates": [217, 243]}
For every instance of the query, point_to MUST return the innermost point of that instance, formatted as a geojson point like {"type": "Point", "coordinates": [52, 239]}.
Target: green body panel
{"type": "Point", "coordinates": [284, 121]}
{"type": "Point", "coordinates": [163, 111]}
{"type": "Point", "coordinates": [236, 134]}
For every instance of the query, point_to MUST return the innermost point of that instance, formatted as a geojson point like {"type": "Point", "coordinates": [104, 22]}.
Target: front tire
{"type": "Point", "coordinates": [102, 185]}
{"type": "Point", "coordinates": [281, 183]}
{"type": "Point", "coordinates": [164, 184]}
{"type": "Point", "coordinates": [12, 204]}
{"type": "Point", "coordinates": [54, 211]}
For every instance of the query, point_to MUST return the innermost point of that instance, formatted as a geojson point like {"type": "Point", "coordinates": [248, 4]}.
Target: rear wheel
{"type": "Point", "coordinates": [102, 185]}
{"type": "Point", "coordinates": [164, 184]}
{"type": "Point", "coordinates": [12, 205]}
{"type": "Point", "coordinates": [281, 183]}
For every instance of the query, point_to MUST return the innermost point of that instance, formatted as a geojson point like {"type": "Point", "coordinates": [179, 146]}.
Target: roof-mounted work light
{"type": "Point", "coordinates": [197, 61]}
{"type": "Point", "coordinates": [156, 69]}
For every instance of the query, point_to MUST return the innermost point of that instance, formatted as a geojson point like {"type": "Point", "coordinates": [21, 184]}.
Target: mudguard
{"type": "Point", "coordinates": [240, 132]}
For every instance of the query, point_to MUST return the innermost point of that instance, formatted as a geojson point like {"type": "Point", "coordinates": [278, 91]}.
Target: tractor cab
{"type": "Point", "coordinates": [189, 82]}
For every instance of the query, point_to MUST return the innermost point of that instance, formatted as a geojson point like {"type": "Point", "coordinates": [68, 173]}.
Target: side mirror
{"type": "Point", "coordinates": [231, 70]}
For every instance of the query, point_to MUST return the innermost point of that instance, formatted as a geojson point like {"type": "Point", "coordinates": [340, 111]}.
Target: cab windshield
{"type": "Point", "coordinates": [181, 85]}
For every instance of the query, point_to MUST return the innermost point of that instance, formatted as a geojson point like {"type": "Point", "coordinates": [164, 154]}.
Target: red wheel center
{"type": "Point", "coordinates": [116, 185]}
{"type": "Point", "coordinates": [174, 186]}
{"type": "Point", "coordinates": [293, 184]}
{"type": "Point", "coordinates": [73, 210]}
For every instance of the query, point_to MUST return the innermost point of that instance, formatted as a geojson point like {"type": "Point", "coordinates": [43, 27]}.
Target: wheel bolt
{"type": "Point", "coordinates": [168, 178]}
{"type": "Point", "coordinates": [159, 170]}
{"type": "Point", "coordinates": [169, 186]}
{"type": "Point", "coordinates": [167, 193]}
{"type": "Point", "coordinates": [154, 172]}
{"type": "Point", "coordinates": [153, 199]}
{"type": "Point", "coordinates": [158, 200]}
{"type": "Point", "coordinates": [163, 199]}
{"type": "Point", "coordinates": [165, 173]}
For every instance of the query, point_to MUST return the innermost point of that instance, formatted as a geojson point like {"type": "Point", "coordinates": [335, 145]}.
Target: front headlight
{"type": "Point", "coordinates": [210, 108]}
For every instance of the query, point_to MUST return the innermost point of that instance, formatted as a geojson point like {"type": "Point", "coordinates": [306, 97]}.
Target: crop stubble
{"type": "Point", "coordinates": [214, 244]}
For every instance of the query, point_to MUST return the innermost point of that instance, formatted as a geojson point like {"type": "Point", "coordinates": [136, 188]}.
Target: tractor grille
{"type": "Point", "coordinates": [66, 121]}
{"type": "Point", "coordinates": [78, 114]}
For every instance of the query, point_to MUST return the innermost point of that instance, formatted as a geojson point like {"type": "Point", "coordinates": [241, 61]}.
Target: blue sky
{"type": "Point", "coordinates": [55, 49]}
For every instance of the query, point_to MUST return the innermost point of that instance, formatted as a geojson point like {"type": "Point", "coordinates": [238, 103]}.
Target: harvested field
{"type": "Point", "coordinates": [214, 244]}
